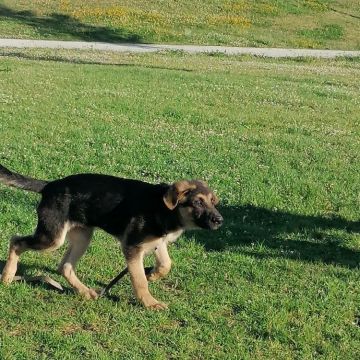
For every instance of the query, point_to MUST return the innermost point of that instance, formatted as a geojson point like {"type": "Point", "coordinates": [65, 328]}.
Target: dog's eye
{"type": "Point", "coordinates": [198, 202]}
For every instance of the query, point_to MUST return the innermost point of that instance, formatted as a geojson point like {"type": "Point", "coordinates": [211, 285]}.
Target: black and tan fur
{"type": "Point", "coordinates": [143, 216]}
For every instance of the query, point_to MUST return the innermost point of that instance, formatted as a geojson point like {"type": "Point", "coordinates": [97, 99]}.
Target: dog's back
{"type": "Point", "coordinates": [103, 201]}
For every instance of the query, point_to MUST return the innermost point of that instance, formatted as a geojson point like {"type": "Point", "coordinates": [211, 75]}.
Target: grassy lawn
{"type": "Point", "coordinates": [266, 23]}
{"type": "Point", "coordinates": [277, 140]}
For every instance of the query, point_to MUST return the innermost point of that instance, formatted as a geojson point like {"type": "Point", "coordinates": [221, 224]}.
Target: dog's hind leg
{"type": "Point", "coordinates": [79, 240]}
{"type": "Point", "coordinates": [15, 250]}
{"type": "Point", "coordinates": [44, 238]}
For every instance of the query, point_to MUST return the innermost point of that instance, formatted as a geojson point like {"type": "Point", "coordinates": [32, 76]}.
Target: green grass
{"type": "Point", "coordinates": [277, 140]}
{"type": "Point", "coordinates": [332, 24]}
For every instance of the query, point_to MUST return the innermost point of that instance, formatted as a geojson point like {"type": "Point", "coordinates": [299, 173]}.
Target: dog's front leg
{"type": "Point", "coordinates": [163, 263]}
{"type": "Point", "coordinates": [139, 282]}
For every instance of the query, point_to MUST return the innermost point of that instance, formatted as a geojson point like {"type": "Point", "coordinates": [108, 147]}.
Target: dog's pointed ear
{"type": "Point", "coordinates": [176, 193]}
{"type": "Point", "coordinates": [215, 200]}
{"type": "Point", "coordinates": [204, 183]}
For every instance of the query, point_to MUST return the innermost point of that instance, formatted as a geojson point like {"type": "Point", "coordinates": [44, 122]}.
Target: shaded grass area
{"type": "Point", "coordinates": [60, 25]}
{"type": "Point", "coordinates": [277, 140]}
{"type": "Point", "coordinates": [267, 23]}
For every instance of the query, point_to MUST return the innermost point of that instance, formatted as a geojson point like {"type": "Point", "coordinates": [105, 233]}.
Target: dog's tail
{"type": "Point", "coordinates": [10, 178]}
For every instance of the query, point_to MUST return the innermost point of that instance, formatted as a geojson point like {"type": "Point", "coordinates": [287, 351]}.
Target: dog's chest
{"type": "Point", "coordinates": [151, 245]}
{"type": "Point", "coordinates": [170, 238]}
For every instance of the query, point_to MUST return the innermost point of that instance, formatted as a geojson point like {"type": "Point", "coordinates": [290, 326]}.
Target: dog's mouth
{"type": "Point", "coordinates": [215, 226]}
{"type": "Point", "coordinates": [216, 223]}
{"type": "Point", "coordinates": [211, 222]}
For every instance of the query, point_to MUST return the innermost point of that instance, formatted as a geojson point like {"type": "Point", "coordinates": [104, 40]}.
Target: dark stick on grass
{"type": "Point", "coordinates": [40, 279]}
{"type": "Point", "coordinates": [106, 289]}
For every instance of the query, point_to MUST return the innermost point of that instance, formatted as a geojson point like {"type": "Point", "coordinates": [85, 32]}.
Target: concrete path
{"type": "Point", "coordinates": [142, 48]}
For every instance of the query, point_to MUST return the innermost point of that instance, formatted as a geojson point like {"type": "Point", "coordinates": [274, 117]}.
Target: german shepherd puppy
{"type": "Point", "coordinates": [142, 216]}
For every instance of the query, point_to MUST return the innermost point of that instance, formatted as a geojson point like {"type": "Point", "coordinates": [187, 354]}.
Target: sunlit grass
{"type": "Point", "coordinates": [279, 143]}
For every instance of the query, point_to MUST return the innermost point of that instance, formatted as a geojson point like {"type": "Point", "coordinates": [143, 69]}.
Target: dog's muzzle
{"type": "Point", "coordinates": [215, 221]}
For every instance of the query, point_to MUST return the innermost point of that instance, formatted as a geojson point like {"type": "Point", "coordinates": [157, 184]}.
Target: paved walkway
{"type": "Point", "coordinates": [142, 48]}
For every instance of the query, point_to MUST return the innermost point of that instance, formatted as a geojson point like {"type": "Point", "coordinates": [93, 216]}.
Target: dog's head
{"type": "Point", "coordinates": [195, 204]}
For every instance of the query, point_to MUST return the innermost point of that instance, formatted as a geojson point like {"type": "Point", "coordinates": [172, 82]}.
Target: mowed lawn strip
{"type": "Point", "coordinates": [330, 24]}
{"type": "Point", "coordinates": [277, 140]}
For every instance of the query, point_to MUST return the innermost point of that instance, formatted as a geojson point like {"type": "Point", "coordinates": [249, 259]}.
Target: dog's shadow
{"type": "Point", "coordinates": [283, 235]}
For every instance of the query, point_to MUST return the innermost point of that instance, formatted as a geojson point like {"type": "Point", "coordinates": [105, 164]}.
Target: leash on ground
{"type": "Point", "coordinates": [106, 289]}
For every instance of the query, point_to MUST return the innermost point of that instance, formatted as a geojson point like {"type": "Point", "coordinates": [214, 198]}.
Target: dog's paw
{"type": "Point", "coordinates": [89, 294]}
{"type": "Point", "coordinates": [151, 303]}
{"type": "Point", "coordinates": [158, 306]}
{"type": "Point", "coordinates": [152, 276]}
{"type": "Point", "coordinates": [6, 279]}
{"type": "Point", "coordinates": [93, 294]}
{"type": "Point", "coordinates": [157, 273]}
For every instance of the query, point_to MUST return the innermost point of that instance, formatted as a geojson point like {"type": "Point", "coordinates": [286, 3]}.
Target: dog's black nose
{"type": "Point", "coordinates": [217, 219]}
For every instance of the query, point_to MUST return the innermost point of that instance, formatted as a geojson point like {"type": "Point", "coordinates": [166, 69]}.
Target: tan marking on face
{"type": "Point", "coordinates": [209, 199]}
{"type": "Point", "coordinates": [184, 185]}
{"type": "Point", "coordinates": [187, 218]}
